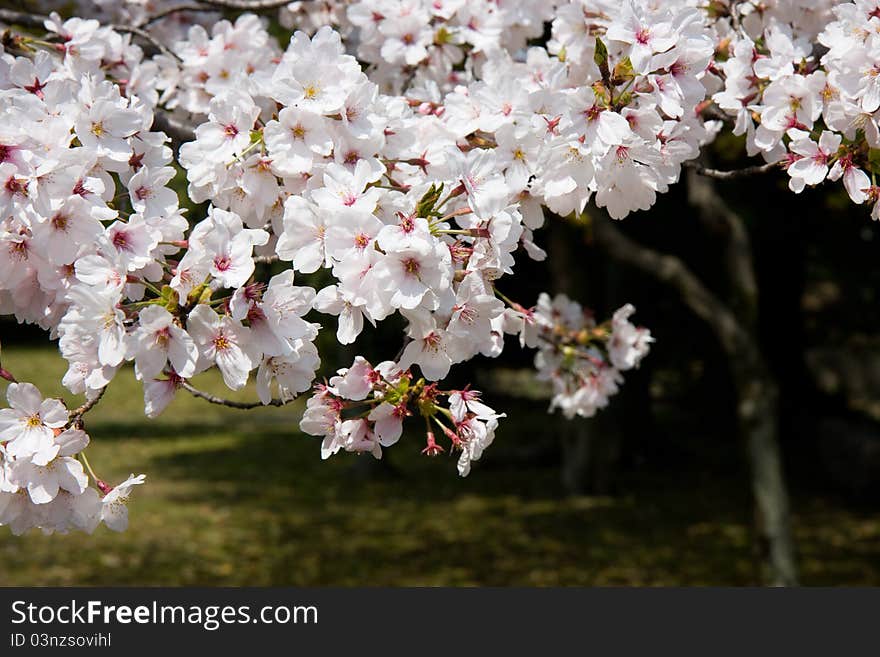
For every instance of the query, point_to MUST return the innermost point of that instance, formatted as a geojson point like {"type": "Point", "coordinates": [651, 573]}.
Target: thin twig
{"type": "Point", "coordinates": [215, 5]}
{"type": "Point", "coordinates": [733, 173]}
{"type": "Point", "coordinates": [165, 13]}
{"type": "Point", "coordinates": [220, 401]}
{"type": "Point", "coordinates": [248, 5]}
{"type": "Point", "coordinates": [734, 14]}
{"type": "Point", "coordinates": [77, 413]}
{"type": "Point", "coordinates": [149, 38]}
{"type": "Point", "coordinates": [266, 260]}
{"type": "Point", "coordinates": [4, 373]}
{"type": "Point", "coordinates": [12, 17]}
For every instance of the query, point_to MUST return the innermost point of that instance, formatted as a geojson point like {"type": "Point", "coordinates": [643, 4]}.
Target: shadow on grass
{"type": "Point", "coordinates": [323, 524]}
{"type": "Point", "coordinates": [258, 507]}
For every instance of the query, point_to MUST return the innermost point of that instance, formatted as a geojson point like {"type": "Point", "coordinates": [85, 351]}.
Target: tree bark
{"type": "Point", "coordinates": [756, 391]}
{"type": "Point", "coordinates": [758, 412]}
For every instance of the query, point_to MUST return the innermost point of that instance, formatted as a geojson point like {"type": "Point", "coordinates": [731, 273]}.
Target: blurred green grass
{"type": "Point", "coordinates": [242, 498]}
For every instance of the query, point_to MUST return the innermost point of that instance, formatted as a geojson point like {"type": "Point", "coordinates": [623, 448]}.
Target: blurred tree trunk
{"type": "Point", "coordinates": [758, 398]}
{"type": "Point", "coordinates": [734, 323]}
{"type": "Point", "coordinates": [590, 447]}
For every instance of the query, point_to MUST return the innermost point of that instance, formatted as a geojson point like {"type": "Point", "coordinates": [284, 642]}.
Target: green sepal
{"type": "Point", "coordinates": [601, 59]}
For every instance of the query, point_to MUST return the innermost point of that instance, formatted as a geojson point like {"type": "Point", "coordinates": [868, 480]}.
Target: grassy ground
{"type": "Point", "coordinates": [242, 498]}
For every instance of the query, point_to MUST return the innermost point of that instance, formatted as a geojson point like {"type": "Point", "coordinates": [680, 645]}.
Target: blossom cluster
{"type": "Point", "coordinates": [399, 165]}
{"type": "Point", "coordinates": [583, 360]}
{"type": "Point", "coordinates": [42, 484]}
{"type": "Point", "coordinates": [90, 242]}
{"type": "Point", "coordinates": [362, 409]}
{"type": "Point", "coordinates": [802, 87]}
{"type": "Point", "coordinates": [441, 42]}
{"type": "Point", "coordinates": [339, 178]}
{"type": "Point", "coordinates": [607, 108]}
{"type": "Point", "coordinates": [797, 79]}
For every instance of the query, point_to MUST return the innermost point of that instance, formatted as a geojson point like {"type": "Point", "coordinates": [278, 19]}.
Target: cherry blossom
{"type": "Point", "coordinates": [389, 161]}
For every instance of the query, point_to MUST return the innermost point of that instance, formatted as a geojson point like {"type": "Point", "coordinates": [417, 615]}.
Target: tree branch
{"type": "Point", "coordinates": [733, 8]}
{"type": "Point", "coordinates": [715, 212]}
{"type": "Point", "coordinates": [165, 13]}
{"type": "Point", "coordinates": [220, 401]}
{"type": "Point", "coordinates": [146, 36]}
{"type": "Point", "coordinates": [672, 271]}
{"type": "Point", "coordinates": [12, 17]}
{"type": "Point", "coordinates": [217, 5]}
{"type": "Point", "coordinates": [248, 5]}
{"type": "Point", "coordinates": [77, 413]}
{"type": "Point", "coordinates": [712, 111]}
{"type": "Point", "coordinates": [756, 391]}
{"type": "Point", "coordinates": [733, 173]}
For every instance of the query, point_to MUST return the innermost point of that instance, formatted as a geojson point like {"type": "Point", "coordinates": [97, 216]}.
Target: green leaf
{"type": "Point", "coordinates": [601, 56]}
{"type": "Point", "coordinates": [601, 59]}
{"type": "Point", "coordinates": [170, 299]}
{"type": "Point", "coordinates": [426, 205]}
{"type": "Point", "coordinates": [623, 72]}
{"type": "Point", "coordinates": [442, 37]}
{"type": "Point", "coordinates": [196, 294]}
{"type": "Point", "coordinates": [205, 296]}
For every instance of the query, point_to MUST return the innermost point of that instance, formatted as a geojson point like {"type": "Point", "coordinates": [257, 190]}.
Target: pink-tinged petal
{"type": "Point", "coordinates": [612, 128]}
{"type": "Point", "coordinates": [157, 395]}
{"type": "Point", "coordinates": [829, 142]}
{"type": "Point", "coordinates": [856, 182]}
{"type": "Point", "coordinates": [72, 442]}
{"type": "Point", "coordinates": [871, 99]}
{"type": "Point", "coordinates": [183, 353]}
{"type": "Point", "coordinates": [351, 323]}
